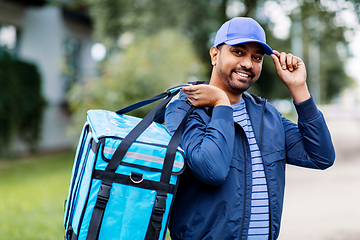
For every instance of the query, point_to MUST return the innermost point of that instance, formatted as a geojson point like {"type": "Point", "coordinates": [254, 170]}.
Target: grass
{"type": "Point", "coordinates": [32, 195]}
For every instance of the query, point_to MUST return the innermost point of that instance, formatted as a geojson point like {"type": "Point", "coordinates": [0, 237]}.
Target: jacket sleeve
{"type": "Point", "coordinates": [309, 143]}
{"type": "Point", "coordinates": [208, 146]}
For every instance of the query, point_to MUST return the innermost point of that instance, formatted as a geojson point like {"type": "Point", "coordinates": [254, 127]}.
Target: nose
{"type": "Point", "coordinates": [246, 62]}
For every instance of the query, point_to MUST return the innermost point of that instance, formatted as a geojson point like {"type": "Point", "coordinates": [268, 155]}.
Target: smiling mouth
{"type": "Point", "coordinates": [244, 75]}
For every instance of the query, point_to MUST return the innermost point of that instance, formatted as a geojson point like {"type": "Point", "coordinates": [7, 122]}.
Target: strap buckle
{"type": "Point", "coordinates": [103, 195]}
{"type": "Point", "coordinates": [160, 204]}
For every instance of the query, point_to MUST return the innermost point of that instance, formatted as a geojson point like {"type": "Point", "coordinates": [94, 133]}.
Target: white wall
{"type": "Point", "coordinates": [43, 32]}
{"type": "Point", "coordinates": [41, 40]}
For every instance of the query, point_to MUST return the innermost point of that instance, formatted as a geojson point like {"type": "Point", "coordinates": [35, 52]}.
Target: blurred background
{"type": "Point", "coordinates": [59, 58]}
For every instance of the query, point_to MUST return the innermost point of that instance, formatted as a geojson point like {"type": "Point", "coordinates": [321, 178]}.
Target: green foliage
{"type": "Point", "coordinates": [21, 102]}
{"type": "Point", "coordinates": [149, 66]}
{"type": "Point", "coordinates": [194, 18]}
{"type": "Point", "coordinates": [333, 78]}
{"type": "Point", "coordinates": [113, 17]}
{"type": "Point", "coordinates": [320, 27]}
{"type": "Point", "coordinates": [199, 20]}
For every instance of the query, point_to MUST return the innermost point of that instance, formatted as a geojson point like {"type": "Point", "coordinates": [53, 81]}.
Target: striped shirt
{"type": "Point", "coordinates": [259, 218]}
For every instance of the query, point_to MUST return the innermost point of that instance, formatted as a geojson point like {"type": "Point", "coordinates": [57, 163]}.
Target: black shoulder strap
{"type": "Point", "coordinates": [156, 218]}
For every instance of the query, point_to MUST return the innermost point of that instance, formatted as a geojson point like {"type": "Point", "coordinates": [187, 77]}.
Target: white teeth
{"type": "Point", "coordinates": [242, 74]}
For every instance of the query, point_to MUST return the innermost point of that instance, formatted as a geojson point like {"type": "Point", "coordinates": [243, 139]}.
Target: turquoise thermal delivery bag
{"type": "Point", "coordinates": [125, 175]}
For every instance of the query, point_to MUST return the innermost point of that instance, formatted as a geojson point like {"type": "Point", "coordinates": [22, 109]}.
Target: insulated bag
{"type": "Point", "coordinates": [125, 175]}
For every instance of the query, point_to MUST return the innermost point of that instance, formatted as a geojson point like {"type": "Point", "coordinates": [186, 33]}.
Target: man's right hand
{"type": "Point", "coordinates": [206, 96]}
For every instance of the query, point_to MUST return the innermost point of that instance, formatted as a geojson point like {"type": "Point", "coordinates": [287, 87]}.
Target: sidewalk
{"type": "Point", "coordinates": [325, 205]}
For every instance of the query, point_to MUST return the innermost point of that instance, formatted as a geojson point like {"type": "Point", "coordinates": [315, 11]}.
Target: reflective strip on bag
{"type": "Point", "coordinates": [144, 157]}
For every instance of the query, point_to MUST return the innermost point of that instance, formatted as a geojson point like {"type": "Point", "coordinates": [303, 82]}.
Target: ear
{"type": "Point", "coordinates": [214, 53]}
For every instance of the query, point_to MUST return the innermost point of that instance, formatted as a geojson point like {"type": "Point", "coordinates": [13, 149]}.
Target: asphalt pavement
{"type": "Point", "coordinates": [325, 205]}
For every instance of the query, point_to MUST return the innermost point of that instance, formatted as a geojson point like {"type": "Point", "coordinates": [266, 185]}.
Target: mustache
{"type": "Point", "coordinates": [243, 69]}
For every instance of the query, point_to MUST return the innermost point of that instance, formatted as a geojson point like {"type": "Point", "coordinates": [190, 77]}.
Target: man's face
{"type": "Point", "coordinates": [238, 67]}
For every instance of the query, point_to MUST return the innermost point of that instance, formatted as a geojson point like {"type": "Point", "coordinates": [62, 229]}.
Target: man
{"type": "Point", "coordinates": [237, 144]}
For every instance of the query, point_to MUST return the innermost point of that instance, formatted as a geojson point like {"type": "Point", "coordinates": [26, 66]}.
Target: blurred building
{"type": "Point", "coordinates": [58, 41]}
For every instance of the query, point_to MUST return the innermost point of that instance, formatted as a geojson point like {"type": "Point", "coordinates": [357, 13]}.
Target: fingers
{"type": "Point", "coordinates": [192, 93]}
{"type": "Point", "coordinates": [189, 88]}
{"type": "Point", "coordinates": [286, 61]}
{"type": "Point", "coordinates": [276, 60]}
{"type": "Point", "coordinates": [205, 96]}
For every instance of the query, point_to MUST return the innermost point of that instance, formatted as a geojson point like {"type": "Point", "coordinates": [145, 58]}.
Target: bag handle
{"type": "Point", "coordinates": [141, 126]}
{"type": "Point", "coordinates": [152, 99]}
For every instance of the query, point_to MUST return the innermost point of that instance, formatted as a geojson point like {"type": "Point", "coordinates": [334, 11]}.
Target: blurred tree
{"type": "Point", "coordinates": [326, 31]}
{"type": "Point", "coordinates": [199, 19]}
{"type": "Point", "coordinates": [148, 66]}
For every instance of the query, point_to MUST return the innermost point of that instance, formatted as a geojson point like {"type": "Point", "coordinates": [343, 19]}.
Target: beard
{"type": "Point", "coordinates": [237, 86]}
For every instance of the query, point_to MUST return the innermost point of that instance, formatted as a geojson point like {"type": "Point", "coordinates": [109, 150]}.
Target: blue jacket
{"type": "Point", "coordinates": [213, 198]}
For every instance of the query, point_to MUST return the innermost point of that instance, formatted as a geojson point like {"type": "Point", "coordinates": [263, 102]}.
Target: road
{"type": "Point", "coordinates": [325, 205]}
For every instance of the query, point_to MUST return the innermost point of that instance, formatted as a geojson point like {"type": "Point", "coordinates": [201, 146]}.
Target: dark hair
{"type": "Point", "coordinates": [220, 46]}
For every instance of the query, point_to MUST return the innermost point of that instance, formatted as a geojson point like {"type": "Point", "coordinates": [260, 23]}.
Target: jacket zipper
{"type": "Point", "coordinates": [267, 184]}
{"type": "Point", "coordinates": [245, 184]}
{"type": "Point", "coordinates": [260, 138]}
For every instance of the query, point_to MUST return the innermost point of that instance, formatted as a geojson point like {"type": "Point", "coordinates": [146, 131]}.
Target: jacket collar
{"type": "Point", "coordinates": [254, 99]}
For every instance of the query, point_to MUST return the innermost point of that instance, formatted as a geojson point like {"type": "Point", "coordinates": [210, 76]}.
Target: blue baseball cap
{"type": "Point", "coordinates": [242, 30]}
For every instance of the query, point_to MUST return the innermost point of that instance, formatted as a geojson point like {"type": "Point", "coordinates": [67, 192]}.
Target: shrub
{"type": "Point", "coordinates": [21, 102]}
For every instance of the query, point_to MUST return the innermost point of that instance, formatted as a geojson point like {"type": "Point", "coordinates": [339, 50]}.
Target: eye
{"type": "Point", "coordinates": [258, 58]}
{"type": "Point", "coordinates": [237, 52]}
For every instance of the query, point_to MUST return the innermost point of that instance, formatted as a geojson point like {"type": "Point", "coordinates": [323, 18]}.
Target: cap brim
{"type": "Point", "coordinates": [267, 49]}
